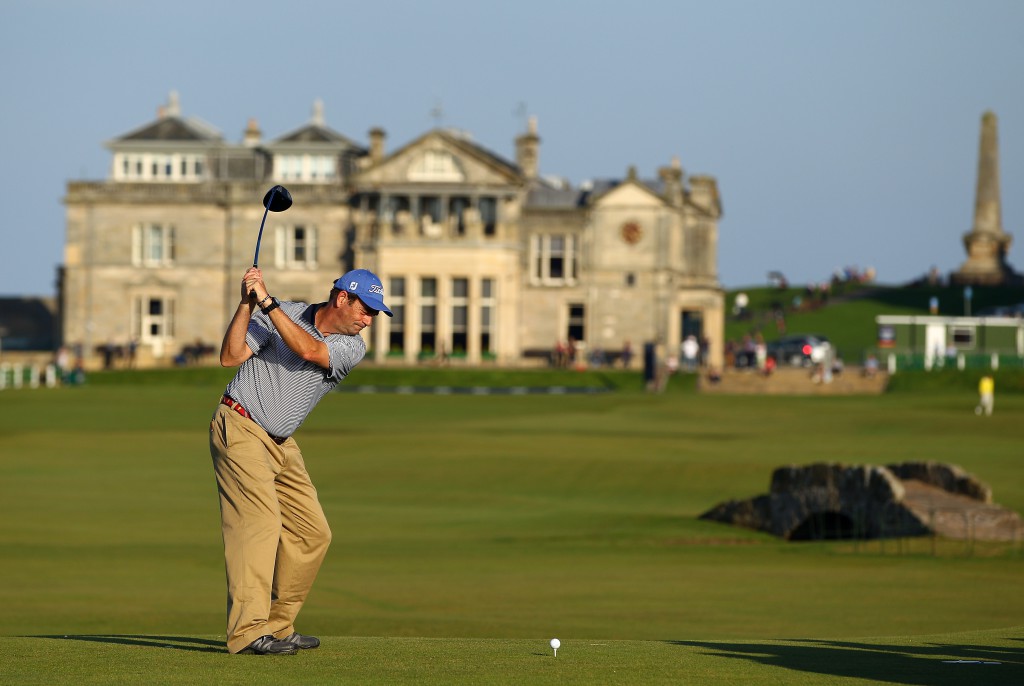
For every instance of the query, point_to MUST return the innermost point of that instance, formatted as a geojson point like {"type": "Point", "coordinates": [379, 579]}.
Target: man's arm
{"type": "Point", "coordinates": [233, 349]}
{"type": "Point", "coordinates": [293, 335]}
{"type": "Point", "coordinates": [300, 342]}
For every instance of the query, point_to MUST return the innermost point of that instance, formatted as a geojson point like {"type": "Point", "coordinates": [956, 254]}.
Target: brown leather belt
{"type": "Point", "coordinates": [237, 407]}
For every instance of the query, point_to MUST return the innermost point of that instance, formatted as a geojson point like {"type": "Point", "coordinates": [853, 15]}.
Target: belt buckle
{"type": "Point", "coordinates": [234, 405]}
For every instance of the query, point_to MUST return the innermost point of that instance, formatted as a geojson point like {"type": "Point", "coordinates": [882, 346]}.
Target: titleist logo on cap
{"type": "Point", "coordinates": [374, 288]}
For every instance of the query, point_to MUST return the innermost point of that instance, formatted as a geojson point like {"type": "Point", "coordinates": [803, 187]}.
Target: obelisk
{"type": "Point", "coordinates": [986, 243]}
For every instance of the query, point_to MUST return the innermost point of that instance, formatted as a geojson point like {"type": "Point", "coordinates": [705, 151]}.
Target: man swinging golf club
{"type": "Point", "coordinates": [289, 354]}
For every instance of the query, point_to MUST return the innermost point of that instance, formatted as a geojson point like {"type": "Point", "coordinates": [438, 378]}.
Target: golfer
{"type": "Point", "coordinates": [986, 396]}
{"type": "Point", "coordinates": [290, 354]}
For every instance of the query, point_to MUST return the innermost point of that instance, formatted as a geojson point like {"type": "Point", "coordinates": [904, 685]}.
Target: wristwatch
{"type": "Point", "coordinates": [274, 304]}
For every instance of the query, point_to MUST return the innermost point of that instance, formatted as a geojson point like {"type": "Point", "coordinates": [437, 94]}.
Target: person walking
{"type": "Point", "coordinates": [289, 355]}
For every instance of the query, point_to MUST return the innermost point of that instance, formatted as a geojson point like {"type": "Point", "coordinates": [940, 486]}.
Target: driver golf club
{"type": "Point", "coordinates": [277, 199]}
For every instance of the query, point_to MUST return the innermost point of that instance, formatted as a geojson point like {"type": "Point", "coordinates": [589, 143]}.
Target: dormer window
{"type": "Point", "coordinates": [307, 168]}
{"type": "Point", "coordinates": [173, 167]}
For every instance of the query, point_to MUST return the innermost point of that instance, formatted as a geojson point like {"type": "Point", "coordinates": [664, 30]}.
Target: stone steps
{"type": "Point", "coordinates": [795, 381]}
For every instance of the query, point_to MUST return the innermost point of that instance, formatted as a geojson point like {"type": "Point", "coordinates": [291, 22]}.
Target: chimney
{"type": "Point", "coordinates": [173, 106]}
{"type": "Point", "coordinates": [377, 136]}
{"type": "Point", "coordinates": [704, 194]}
{"type": "Point", "coordinates": [252, 134]}
{"type": "Point", "coordinates": [318, 113]}
{"type": "Point", "coordinates": [672, 178]}
{"type": "Point", "coordinates": [528, 150]}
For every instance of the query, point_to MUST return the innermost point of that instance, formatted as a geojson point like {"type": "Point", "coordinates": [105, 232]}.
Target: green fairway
{"type": "Point", "coordinates": [470, 530]}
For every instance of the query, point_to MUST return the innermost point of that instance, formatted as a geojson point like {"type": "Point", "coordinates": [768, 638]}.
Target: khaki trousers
{"type": "Point", "coordinates": [275, 532]}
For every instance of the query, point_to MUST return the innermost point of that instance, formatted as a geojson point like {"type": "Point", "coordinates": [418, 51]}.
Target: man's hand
{"type": "Point", "coordinates": [253, 286]}
{"type": "Point", "coordinates": [233, 349]}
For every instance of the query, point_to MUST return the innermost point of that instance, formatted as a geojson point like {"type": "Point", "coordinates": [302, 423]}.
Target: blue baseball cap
{"type": "Point", "coordinates": [366, 286]}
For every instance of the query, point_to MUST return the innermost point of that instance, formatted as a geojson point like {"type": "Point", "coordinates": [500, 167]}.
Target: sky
{"type": "Point", "coordinates": [841, 134]}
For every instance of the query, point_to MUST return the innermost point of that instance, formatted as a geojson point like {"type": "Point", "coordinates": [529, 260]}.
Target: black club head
{"type": "Point", "coordinates": [277, 199]}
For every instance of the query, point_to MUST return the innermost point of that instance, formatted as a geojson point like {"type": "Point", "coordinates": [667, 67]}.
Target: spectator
{"type": "Point", "coordinates": [561, 356]}
{"type": "Point", "coordinates": [107, 350]}
{"type": "Point", "coordinates": [780, 322]}
{"type": "Point", "coordinates": [690, 350]}
{"type": "Point", "coordinates": [871, 366]}
{"type": "Point", "coordinates": [63, 363]}
{"type": "Point", "coordinates": [627, 354]}
{"type": "Point", "coordinates": [760, 351]}
{"type": "Point", "coordinates": [749, 352]}
{"type": "Point", "coordinates": [730, 354]}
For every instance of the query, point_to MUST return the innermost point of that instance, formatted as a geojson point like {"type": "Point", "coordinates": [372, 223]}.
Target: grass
{"type": "Point", "coordinates": [133, 659]}
{"type": "Point", "coordinates": [470, 530]}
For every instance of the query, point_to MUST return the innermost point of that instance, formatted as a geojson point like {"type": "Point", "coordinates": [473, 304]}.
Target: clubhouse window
{"type": "Point", "coordinates": [296, 247]}
{"type": "Point", "coordinates": [153, 245]}
{"type": "Point", "coordinates": [396, 324]}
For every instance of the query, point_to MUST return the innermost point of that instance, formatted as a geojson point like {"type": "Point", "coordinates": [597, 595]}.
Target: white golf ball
{"type": "Point", "coordinates": [555, 643]}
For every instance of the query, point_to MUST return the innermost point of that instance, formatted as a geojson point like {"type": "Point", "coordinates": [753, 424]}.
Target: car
{"type": "Point", "coordinates": [801, 349]}
{"type": "Point", "coordinates": [1003, 311]}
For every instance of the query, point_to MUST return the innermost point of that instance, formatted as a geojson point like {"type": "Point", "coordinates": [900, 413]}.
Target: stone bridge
{"type": "Point", "coordinates": [834, 501]}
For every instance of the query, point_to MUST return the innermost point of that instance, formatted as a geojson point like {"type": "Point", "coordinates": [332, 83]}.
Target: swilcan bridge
{"type": "Point", "coordinates": [833, 501]}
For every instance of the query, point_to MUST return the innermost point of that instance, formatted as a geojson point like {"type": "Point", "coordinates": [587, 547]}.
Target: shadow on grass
{"type": "Point", "coordinates": [932, 664]}
{"type": "Point", "coordinates": [189, 643]}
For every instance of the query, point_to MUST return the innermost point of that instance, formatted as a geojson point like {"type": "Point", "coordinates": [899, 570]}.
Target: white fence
{"type": "Point", "coordinates": [27, 376]}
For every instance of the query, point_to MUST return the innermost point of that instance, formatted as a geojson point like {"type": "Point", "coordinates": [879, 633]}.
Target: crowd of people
{"type": "Point", "coordinates": [115, 354]}
{"type": "Point", "coordinates": [69, 360]}
{"type": "Point", "coordinates": [573, 354]}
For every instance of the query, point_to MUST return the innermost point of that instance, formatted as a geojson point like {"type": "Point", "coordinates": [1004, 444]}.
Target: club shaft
{"type": "Point", "coordinates": [256, 256]}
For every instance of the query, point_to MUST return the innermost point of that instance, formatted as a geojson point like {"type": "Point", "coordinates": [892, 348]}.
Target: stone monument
{"type": "Point", "coordinates": [986, 243]}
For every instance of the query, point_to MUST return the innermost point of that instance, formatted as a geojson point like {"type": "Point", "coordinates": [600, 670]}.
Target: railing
{"type": "Point", "coordinates": [27, 375]}
{"type": "Point", "coordinates": [906, 361]}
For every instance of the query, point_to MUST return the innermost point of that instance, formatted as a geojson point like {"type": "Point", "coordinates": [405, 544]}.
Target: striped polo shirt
{"type": "Point", "coordinates": [277, 387]}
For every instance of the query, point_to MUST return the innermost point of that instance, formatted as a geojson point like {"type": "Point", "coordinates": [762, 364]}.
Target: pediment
{"type": "Point", "coordinates": [441, 158]}
{"type": "Point", "coordinates": [629, 194]}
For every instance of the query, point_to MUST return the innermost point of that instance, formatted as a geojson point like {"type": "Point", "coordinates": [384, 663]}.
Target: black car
{"type": "Point", "coordinates": [800, 349]}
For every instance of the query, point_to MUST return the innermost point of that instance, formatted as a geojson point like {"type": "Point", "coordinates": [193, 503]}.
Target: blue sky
{"type": "Point", "coordinates": [841, 133]}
